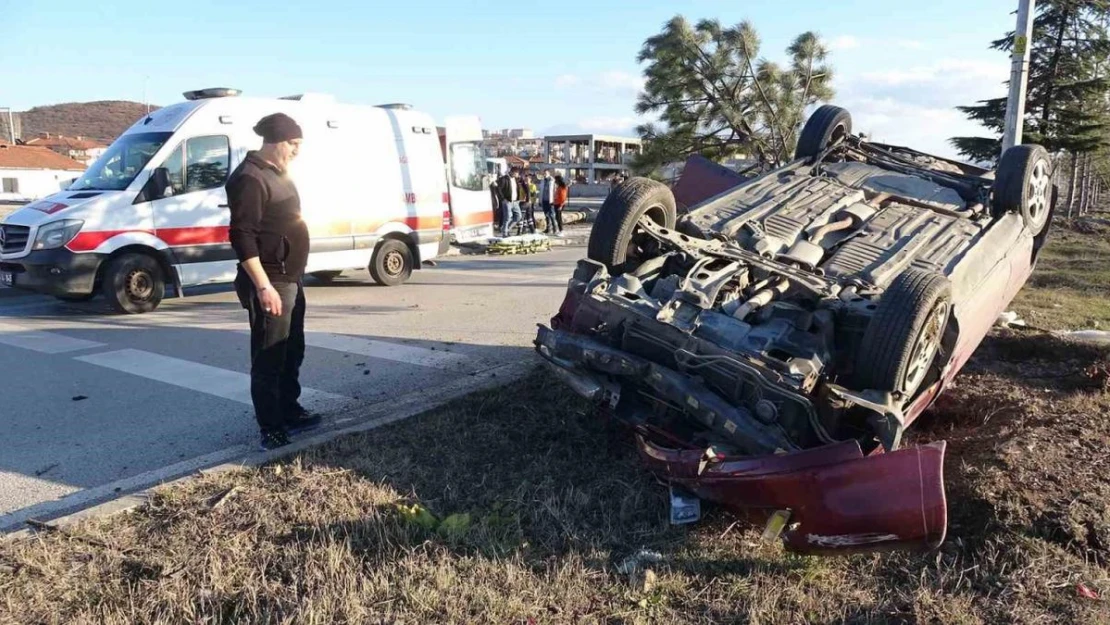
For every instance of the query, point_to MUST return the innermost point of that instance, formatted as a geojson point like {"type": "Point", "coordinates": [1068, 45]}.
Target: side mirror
{"type": "Point", "coordinates": [160, 186]}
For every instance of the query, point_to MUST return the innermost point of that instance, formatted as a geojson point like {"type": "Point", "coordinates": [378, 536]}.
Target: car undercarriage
{"type": "Point", "coordinates": [812, 308]}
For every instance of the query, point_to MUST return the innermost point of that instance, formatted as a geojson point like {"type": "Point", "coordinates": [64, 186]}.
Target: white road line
{"type": "Point", "coordinates": [192, 375]}
{"type": "Point", "coordinates": [385, 350]}
{"type": "Point", "coordinates": [45, 342]}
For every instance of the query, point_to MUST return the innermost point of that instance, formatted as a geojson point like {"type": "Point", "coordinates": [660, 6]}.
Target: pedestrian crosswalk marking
{"type": "Point", "coordinates": [385, 350]}
{"type": "Point", "coordinates": [43, 342]}
{"type": "Point", "coordinates": [194, 376]}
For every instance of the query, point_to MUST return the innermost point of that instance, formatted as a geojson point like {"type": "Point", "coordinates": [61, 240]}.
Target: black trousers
{"type": "Point", "coordinates": [277, 352]}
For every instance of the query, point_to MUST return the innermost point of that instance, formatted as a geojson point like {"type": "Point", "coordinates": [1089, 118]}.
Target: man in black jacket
{"type": "Point", "coordinates": [511, 194]}
{"type": "Point", "coordinates": [271, 242]}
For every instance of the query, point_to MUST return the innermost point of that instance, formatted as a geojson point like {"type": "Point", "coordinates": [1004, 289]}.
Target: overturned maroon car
{"type": "Point", "coordinates": [769, 346]}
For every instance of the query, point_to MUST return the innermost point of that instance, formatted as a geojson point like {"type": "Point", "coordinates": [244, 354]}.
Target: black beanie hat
{"type": "Point", "coordinates": [277, 128]}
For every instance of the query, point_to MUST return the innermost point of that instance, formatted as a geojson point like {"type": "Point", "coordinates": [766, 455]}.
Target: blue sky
{"type": "Point", "coordinates": [558, 66]}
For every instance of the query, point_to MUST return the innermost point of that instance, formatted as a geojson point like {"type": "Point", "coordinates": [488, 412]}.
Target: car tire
{"type": "Point", "coordinates": [133, 283]}
{"type": "Point", "coordinates": [326, 276]}
{"type": "Point", "coordinates": [392, 263]}
{"type": "Point", "coordinates": [1023, 184]}
{"type": "Point", "coordinates": [75, 299]}
{"type": "Point", "coordinates": [905, 335]}
{"type": "Point", "coordinates": [825, 127]}
{"type": "Point", "coordinates": [614, 233]}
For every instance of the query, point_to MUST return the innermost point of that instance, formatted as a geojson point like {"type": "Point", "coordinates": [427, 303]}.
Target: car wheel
{"type": "Point", "coordinates": [326, 276]}
{"type": "Point", "coordinates": [904, 336]}
{"type": "Point", "coordinates": [392, 263]}
{"type": "Point", "coordinates": [616, 240]}
{"type": "Point", "coordinates": [74, 299]}
{"type": "Point", "coordinates": [828, 125]}
{"type": "Point", "coordinates": [133, 284]}
{"type": "Point", "coordinates": [1023, 184]}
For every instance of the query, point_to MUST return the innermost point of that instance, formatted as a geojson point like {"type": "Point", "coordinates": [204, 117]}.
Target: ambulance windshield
{"type": "Point", "coordinates": [123, 160]}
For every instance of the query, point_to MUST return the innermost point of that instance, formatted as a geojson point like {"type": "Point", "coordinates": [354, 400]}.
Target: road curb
{"type": "Point", "coordinates": [372, 417]}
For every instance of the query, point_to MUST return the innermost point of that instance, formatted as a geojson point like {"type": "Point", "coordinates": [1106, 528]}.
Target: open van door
{"type": "Point", "coordinates": [471, 207]}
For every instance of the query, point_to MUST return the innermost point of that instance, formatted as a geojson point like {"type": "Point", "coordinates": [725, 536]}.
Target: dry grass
{"type": "Point", "coordinates": [1071, 287]}
{"type": "Point", "coordinates": [518, 506]}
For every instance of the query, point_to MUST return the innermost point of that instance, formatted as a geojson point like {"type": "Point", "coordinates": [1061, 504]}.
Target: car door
{"type": "Point", "coordinates": [471, 212]}
{"type": "Point", "coordinates": [193, 216]}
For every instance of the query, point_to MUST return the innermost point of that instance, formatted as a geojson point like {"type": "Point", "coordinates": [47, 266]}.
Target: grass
{"type": "Point", "coordinates": [1070, 289]}
{"type": "Point", "coordinates": [518, 505]}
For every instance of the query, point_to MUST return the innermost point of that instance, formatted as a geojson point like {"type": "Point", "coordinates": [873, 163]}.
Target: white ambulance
{"type": "Point", "coordinates": [381, 188]}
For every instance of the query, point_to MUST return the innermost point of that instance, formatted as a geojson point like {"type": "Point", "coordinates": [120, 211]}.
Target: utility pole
{"type": "Point", "coordinates": [11, 123]}
{"type": "Point", "coordinates": [1019, 74]}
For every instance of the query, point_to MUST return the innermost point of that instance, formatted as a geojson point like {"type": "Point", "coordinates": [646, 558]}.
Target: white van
{"type": "Point", "coordinates": [380, 188]}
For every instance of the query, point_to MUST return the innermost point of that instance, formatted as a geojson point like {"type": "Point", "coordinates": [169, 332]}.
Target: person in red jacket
{"type": "Point", "coordinates": [561, 194]}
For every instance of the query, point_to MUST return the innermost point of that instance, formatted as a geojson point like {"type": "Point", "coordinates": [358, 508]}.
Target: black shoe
{"type": "Point", "coordinates": [300, 419]}
{"type": "Point", "coordinates": [272, 439]}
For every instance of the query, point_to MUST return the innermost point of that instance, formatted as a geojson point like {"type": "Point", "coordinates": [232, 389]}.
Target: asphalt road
{"type": "Point", "coordinates": [100, 403]}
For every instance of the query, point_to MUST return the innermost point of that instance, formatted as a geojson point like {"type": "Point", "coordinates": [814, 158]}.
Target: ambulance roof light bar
{"type": "Point", "coordinates": [215, 92]}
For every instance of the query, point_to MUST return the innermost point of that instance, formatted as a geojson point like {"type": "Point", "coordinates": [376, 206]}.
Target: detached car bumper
{"type": "Point", "coordinates": [53, 272]}
{"type": "Point", "coordinates": [827, 499]}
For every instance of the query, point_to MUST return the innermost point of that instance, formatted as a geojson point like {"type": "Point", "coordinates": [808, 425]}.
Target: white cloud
{"type": "Point", "coordinates": [910, 44]}
{"type": "Point", "coordinates": [566, 81]}
{"type": "Point", "coordinates": [915, 106]}
{"type": "Point", "coordinates": [946, 71]}
{"type": "Point", "coordinates": [844, 42]}
{"type": "Point", "coordinates": [621, 81]}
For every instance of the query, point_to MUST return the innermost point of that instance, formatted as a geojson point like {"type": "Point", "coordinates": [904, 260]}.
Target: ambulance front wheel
{"type": "Point", "coordinates": [133, 283]}
{"type": "Point", "coordinates": [392, 263]}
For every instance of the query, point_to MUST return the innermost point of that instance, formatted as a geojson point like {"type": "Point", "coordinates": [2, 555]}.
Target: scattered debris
{"type": "Point", "coordinates": [643, 580]}
{"type": "Point", "coordinates": [1009, 318]}
{"type": "Point", "coordinates": [45, 469]}
{"type": "Point", "coordinates": [1100, 337]}
{"type": "Point", "coordinates": [638, 560]}
{"type": "Point", "coordinates": [222, 498]}
{"type": "Point", "coordinates": [685, 506]}
{"type": "Point", "coordinates": [1083, 591]}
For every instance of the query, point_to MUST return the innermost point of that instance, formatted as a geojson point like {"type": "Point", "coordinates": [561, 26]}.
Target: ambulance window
{"type": "Point", "coordinates": [468, 165]}
{"type": "Point", "coordinates": [199, 163]}
{"type": "Point", "coordinates": [206, 162]}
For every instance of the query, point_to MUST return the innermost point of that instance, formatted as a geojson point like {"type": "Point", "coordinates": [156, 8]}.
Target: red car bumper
{"type": "Point", "coordinates": [838, 500]}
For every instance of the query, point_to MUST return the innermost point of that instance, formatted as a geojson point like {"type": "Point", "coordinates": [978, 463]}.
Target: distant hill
{"type": "Point", "coordinates": [104, 120]}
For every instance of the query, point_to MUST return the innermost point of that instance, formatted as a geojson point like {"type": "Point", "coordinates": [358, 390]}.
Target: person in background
{"type": "Point", "coordinates": [547, 201]}
{"type": "Point", "coordinates": [525, 201]}
{"type": "Point", "coordinates": [510, 190]}
{"type": "Point", "coordinates": [271, 242]}
{"type": "Point", "coordinates": [533, 199]}
{"type": "Point", "coordinates": [561, 195]}
{"type": "Point", "coordinates": [495, 200]}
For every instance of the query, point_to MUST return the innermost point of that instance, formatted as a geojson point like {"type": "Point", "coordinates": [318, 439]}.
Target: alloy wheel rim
{"type": "Point", "coordinates": [1039, 182]}
{"type": "Point", "coordinates": [925, 348]}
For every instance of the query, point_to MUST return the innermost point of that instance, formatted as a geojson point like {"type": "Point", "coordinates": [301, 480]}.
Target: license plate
{"type": "Point", "coordinates": [685, 506]}
{"type": "Point", "coordinates": [6, 279]}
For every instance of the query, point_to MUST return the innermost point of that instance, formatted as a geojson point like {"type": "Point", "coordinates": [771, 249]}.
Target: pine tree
{"type": "Point", "coordinates": [716, 97]}
{"type": "Point", "coordinates": [1067, 87]}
